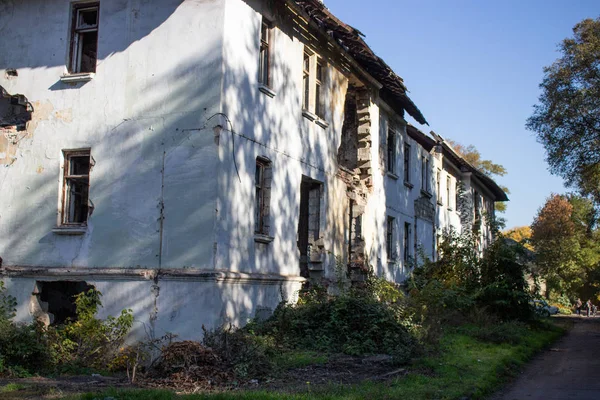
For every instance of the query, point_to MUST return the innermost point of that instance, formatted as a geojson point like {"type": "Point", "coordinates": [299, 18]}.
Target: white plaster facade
{"type": "Point", "coordinates": [175, 119]}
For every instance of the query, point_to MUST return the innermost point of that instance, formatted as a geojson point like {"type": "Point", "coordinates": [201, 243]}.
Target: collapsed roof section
{"type": "Point", "coordinates": [394, 90]}
{"type": "Point", "coordinates": [456, 159]}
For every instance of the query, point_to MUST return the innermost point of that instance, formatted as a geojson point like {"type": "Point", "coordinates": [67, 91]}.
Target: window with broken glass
{"type": "Point", "coordinates": [84, 38]}
{"type": "Point", "coordinates": [76, 183]}
{"type": "Point", "coordinates": [264, 67]}
{"type": "Point", "coordinates": [407, 163]}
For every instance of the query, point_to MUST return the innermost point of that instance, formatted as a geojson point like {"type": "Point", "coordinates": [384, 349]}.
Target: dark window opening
{"type": "Point", "coordinates": [407, 163]}
{"type": "Point", "coordinates": [84, 38]}
{"type": "Point", "coordinates": [348, 150]}
{"type": "Point", "coordinates": [406, 241]}
{"type": "Point", "coordinates": [262, 185]}
{"type": "Point", "coordinates": [76, 187]}
{"type": "Point", "coordinates": [391, 151]}
{"type": "Point", "coordinates": [58, 299]}
{"type": "Point", "coordinates": [309, 221]}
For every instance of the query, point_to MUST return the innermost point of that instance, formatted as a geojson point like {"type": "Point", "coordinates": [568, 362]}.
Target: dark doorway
{"type": "Point", "coordinates": [309, 221]}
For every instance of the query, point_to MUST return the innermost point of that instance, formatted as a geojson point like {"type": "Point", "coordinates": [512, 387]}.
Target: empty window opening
{"type": "Point", "coordinates": [438, 183]}
{"type": "Point", "coordinates": [76, 187]}
{"type": "Point", "coordinates": [84, 37]}
{"type": "Point", "coordinates": [348, 150]}
{"type": "Point", "coordinates": [309, 222]}
{"type": "Point", "coordinates": [57, 299]}
{"type": "Point", "coordinates": [264, 68]}
{"type": "Point", "coordinates": [425, 173]}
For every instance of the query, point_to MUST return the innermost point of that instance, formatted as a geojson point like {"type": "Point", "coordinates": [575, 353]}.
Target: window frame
{"type": "Point", "coordinates": [306, 72]}
{"type": "Point", "coordinates": [65, 207]}
{"type": "Point", "coordinates": [389, 238]}
{"type": "Point", "coordinates": [262, 191]}
{"type": "Point", "coordinates": [265, 50]}
{"type": "Point", "coordinates": [76, 34]}
{"type": "Point", "coordinates": [318, 85]}
{"type": "Point", "coordinates": [406, 241]}
{"type": "Point", "coordinates": [407, 163]}
{"type": "Point", "coordinates": [391, 151]}
{"type": "Point", "coordinates": [425, 177]}
{"type": "Point", "coordinates": [448, 191]}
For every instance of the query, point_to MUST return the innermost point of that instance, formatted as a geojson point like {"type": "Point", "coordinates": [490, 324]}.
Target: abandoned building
{"type": "Point", "coordinates": [197, 161]}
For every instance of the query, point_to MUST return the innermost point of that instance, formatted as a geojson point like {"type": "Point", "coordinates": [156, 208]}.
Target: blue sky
{"type": "Point", "coordinates": [473, 68]}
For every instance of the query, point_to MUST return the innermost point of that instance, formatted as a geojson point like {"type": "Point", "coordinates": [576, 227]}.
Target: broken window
{"type": "Point", "coordinates": [84, 37]}
{"type": "Point", "coordinates": [407, 163]}
{"type": "Point", "coordinates": [348, 150]}
{"type": "Point", "coordinates": [391, 151]}
{"type": "Point", "coordinates": [76, 184]}
{"type": "Point", "coordinates": [389, 238]}
{"type": "Point", "coordinates": [264, 67]}
{"type": "Point", "coordinates": [262, 183]}
{"type": "Point", "coordinates": [309, 223]}
{"type": "Point", "coordinates": [56, 300]}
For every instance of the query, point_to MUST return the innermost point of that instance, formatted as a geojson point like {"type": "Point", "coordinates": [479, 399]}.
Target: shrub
{"type": "Point", "coordinates": [88, 341]}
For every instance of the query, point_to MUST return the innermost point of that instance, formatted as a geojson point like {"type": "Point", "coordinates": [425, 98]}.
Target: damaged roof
{"type": "Point", "coordinates": [394, 90]}
{"type": "Point", "coordinates": [456, 159]}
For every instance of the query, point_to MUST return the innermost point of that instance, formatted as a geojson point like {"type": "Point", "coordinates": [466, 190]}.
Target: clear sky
{"type": "Point", "coordinates": [473, 68]}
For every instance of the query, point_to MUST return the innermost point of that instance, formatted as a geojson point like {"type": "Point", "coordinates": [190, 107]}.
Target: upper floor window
{"type": "Point", "coordinates": [438, 183]}
{"type": "Point", "coordinates": [391, 151]}
{"type": "Point", "coordinates": [407, 163]}
{"type": "Point", "coordinates": [264, 66]}
{"type": "Point", "coordinates": [425, 173]}
{"type": "Point", "coordinates": [406, 245]}
{"type": "Point", "coordinates": [314, 73]}
{"type": "Point", "coordinates": [76, 183]}
{"type": "Point", "coordinates": [84, 38]}
{"type": "Point", "coordinates": [448, 183]}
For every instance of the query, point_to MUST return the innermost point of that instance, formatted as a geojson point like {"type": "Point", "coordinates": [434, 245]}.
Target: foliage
{"type": "Point", "coordinates": [460, 281]}
{"type": "Point", "coordinates": [521, 235]}
{"type": "Point", "coordinates": [8, 304]}
{"type": "Point", "coordinates": [567, 247]}
{"type": "Point", "coordinates": [567, 118]}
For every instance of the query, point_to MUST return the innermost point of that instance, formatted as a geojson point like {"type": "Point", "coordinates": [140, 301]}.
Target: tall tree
{"type": "Point", "coordinates": [567, 118]}
{"type": "Point", "coordinates": [488, 167]}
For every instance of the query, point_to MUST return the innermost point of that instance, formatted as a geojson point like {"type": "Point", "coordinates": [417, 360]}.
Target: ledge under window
{"type": "Point", "coordinates": [267, 90]}
{"type": "Point", "coordinates": [307, 114]}
{"type": "Point", "coordinates": [392, 175]}
{"type": "Point", "coordinates": [79, 77]}
{"type": "Point", "coordinates": [262, 238]}
{"type": "Point", "coordinates": [70, 230]}
{"type": "Point", "coordinates": [323, 124]}
{"type": "Point", "coordinates": [439, 203]}
{"type": "Point", "coordinates": [408, 185]}
{"type": "Point", "coordinates": [425, 193]}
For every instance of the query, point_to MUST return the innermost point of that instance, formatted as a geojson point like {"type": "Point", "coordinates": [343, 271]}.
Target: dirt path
{"type": "Point", "coordinates": [569, 370]}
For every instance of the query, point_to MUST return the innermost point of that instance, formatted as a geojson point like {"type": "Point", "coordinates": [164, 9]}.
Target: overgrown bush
{"type": "Point", "coordinates": [89, 342]}
{"type": "Point", "coordinates": [86, 343]}
{"type": "Point", "coordinates": [449, 289]}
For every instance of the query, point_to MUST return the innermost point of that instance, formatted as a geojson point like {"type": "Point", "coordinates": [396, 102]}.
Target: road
{"type": "Point", "coordinates": [569, 370]}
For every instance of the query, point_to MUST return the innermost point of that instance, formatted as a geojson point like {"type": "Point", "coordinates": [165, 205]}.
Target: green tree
{"type": "Point", "coordinates": [488, 167]}
{"type": "Point", "coordinates": [567, 118]}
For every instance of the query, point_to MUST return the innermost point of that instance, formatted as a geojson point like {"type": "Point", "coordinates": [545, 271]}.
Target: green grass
{"type": "Point", "coordinates": [464, 367]}
{"type": "Point", "coordinates": [299, 359]}
{"type": "Point", "coordinates": [11, 387]}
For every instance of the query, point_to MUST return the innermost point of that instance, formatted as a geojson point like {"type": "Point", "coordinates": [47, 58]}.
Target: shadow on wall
{"type": "Point", "coordinates": [52, 32]}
